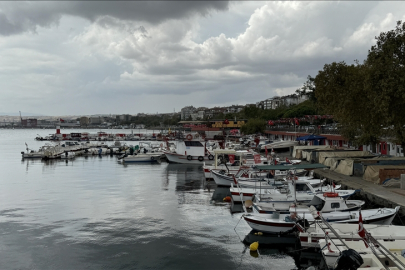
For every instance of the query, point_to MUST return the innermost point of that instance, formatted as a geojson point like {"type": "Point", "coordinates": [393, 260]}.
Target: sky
{"type": "Point", "coordinates": [129, 57]}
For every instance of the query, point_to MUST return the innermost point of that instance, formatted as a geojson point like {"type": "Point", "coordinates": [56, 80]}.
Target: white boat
{"type": "Point", "coordinates": [242, 158]}
{"type": "Point", "coordinates": [279, 145]}
{"type": "Point", "coordinates": [192, 150]}
{"type": "Point", "coordinates": [283, 222]}
{"type": "Point", "coordinates": [305, 191]}
{"type": "Point", "coordinates": [380, 255]}
{"type": "Point", "coordinates": [310, 237]}
{"type": "Point", "coordinates": [319, 203]}
{"type": "Point", "coordinates": [148, 157]}
{"type": "Point", "coordinates": [32, 153]}
{"type": "Point", "coordinates": [68, 155]}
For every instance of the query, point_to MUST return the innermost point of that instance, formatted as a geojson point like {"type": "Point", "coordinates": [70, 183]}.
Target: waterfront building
{"type": "Point", "coordinates": [187, 111]}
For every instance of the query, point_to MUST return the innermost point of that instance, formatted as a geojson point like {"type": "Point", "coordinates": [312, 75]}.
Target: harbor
{"type": "Point", "coordinates": [142, 200]}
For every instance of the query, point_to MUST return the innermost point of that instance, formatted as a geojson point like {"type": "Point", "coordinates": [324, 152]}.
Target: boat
{"type": "Point", "coordinates": [32, 153]}
{"type": "Point", "coordinates": [241, 158]}
{"type": "Point", "coordinates": [362, 251]}
{"type": "Point", "coordinates": [321, 202]}
{"type": "Point", "coordinates": [310, 236]}
{"type": "Point", "coordinates": [191, 150]}
{"type": "Point", "coordinates": [305, 190]}
{"type": "Point", "coordinates": [286, 222]}
{"type": "Point", "coordinates": [379, 254]}
{"type": "Point", "coordinates": [142, 157]}
{"type": "Point", "coordinates": [278, 145]}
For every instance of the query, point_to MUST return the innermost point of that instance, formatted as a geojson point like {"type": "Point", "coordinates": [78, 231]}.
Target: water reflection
{"type": "Point", "coordinates": [220, 193]}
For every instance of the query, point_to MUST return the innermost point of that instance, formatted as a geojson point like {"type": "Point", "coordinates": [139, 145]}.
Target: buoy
{"type": "Point", "coordinates": [254, 246]}
{"type": "Point", "coordinates": [248, 203]}
{"type": "Point", "coordinates": [254, 254]}
{"type": "Point", "coordinates": [227, 199]}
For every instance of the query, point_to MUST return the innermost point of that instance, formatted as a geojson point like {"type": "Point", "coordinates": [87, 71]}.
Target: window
{"type": "Point", "coordinates": [193, 143]}
{"type": "Point", "coordinates": [335, 205]}
{"type": "Point", "coordinates": [302, 187]}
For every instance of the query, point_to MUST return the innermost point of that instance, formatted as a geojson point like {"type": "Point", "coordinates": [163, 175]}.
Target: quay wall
{"type": "Point", "coordinates": [372, 193]}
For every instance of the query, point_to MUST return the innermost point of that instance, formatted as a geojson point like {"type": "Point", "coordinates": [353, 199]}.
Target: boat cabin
{"type": "Point", "coordinates": [191, 148]}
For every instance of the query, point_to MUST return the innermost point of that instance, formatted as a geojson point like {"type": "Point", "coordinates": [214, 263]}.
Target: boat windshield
{"type": "Point", "coordinates": [193, 143]}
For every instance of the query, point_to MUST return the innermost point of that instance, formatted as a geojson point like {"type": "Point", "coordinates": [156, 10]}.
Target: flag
{"type": "Point", "coordinates": [275, 161]}
{"type": "Point", "coordinates": [265, 150]}
{"type": "Point", "coordinates": [61, 120]}
{"type": "Point", "coordinates": [333, 184]}
{"type": "Point", "coordinates": [231, 158]}
{"type": "Point", "coordinates": [287, 160]}
{"type": "Point", "coordinates": [296, 121]}
{"type": "Point", "coordinates": [362, 231]}
{"type": "Point", "coordinates": [257, 159]}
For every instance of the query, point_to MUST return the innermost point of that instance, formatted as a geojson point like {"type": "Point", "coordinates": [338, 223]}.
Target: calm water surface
{"type": "Point", "coordinates": [95, 213]}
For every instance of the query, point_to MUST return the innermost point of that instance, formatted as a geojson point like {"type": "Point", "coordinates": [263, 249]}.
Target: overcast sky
{"type": "Point", "coordinates": [82, 58]}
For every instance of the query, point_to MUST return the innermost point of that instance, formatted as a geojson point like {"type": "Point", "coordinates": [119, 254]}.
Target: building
{"type": "Point", "coordinates": [123, 118]}
{"type": "Point", "coordinates": [276, 101]}
{"type": "Point", "coordinates": [234, 109]}
{"type": "Point", "coordinates": [84, 121]}
{"type": "Point", "coordinates": [31, 122]}
{"type": "Point", "coordinates": [186, 112]}
{"type": "Point", "coordinates": [96, 120]}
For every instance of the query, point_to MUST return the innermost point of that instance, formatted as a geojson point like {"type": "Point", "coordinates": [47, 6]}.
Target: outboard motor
{"type": "Point", "coordinates": [348, 260]}
{"type": "Point", "coordinates": [304, 223]}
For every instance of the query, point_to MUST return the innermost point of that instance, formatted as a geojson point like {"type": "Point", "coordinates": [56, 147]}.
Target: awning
{"type": "Point", "coordinates": [310, 138]}
{"type": "Point", "coordinates": [292, 167]}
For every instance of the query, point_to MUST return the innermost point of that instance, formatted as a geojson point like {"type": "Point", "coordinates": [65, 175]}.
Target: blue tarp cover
{"type": "Point", "coordinates": [310, 138]}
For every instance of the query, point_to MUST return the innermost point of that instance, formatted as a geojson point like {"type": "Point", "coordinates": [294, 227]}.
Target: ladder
{"type": "Point", "coordinates": [375, 245]}
{"type": "Point", "coordinates": [324, 226]}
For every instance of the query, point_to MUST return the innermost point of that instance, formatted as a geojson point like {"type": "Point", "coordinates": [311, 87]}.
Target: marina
{"type": "Point", "coordinates": [102, 201]}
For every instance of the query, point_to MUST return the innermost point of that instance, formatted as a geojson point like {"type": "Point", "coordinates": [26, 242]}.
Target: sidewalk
{"type": "Point", "coordinates": [386, 196]}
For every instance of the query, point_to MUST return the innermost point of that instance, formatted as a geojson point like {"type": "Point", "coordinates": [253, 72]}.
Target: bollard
{"type": "Point", "coordinates": [402, 181]}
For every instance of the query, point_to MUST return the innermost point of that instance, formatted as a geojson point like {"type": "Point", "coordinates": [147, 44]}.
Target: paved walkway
{"type": "Point", "coordinates": [386, 196]}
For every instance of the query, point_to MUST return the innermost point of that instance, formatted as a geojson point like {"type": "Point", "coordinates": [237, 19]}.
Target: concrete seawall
{"type": "Point", "coordinates": [376, 194]}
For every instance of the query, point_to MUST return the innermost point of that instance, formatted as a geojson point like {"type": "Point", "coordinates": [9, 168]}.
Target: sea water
{"type": "Point", "coordinates": [97, 213]}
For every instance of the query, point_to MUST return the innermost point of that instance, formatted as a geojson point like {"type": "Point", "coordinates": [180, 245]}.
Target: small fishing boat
{"type": "Point", "coordinates": [147, 157]}
{"type": "Point", "coordinates": [285, 221]}
{"type": "Point", "coordinates": [311, 235]}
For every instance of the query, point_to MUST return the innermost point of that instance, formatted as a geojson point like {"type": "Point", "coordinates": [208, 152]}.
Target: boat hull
{"type": "Point", "coordinates": [182, 159]}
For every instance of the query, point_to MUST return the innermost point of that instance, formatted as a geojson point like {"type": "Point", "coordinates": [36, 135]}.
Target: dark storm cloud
{"type": "Point", "coordinates": [18, 17]}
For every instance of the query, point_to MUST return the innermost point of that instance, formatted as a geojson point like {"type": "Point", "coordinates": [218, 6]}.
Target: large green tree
{"type": "Point", "coordinates": [340, 90]}
{"type": "Point", "coordinates": [253, 126]}
{"type": "Point", "coordinates": [386, 80]}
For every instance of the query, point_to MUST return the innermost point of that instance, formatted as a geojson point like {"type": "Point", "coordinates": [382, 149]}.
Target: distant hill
{"type": "Point", "coordinates": [23, 114]}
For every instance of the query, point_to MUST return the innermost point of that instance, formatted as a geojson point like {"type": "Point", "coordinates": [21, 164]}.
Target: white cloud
{"type": "Point", "coordinates": [106, 60]}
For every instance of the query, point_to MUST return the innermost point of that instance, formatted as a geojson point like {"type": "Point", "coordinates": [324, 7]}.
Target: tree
{"type": "Point", "coordinates": [341, 91]}
{"type": "Point", "coordinates": [253, 126]}
{"type": "Point", "coordinates": [386, 80]}
{"type": "Point", "coordinates": [308, 89]}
